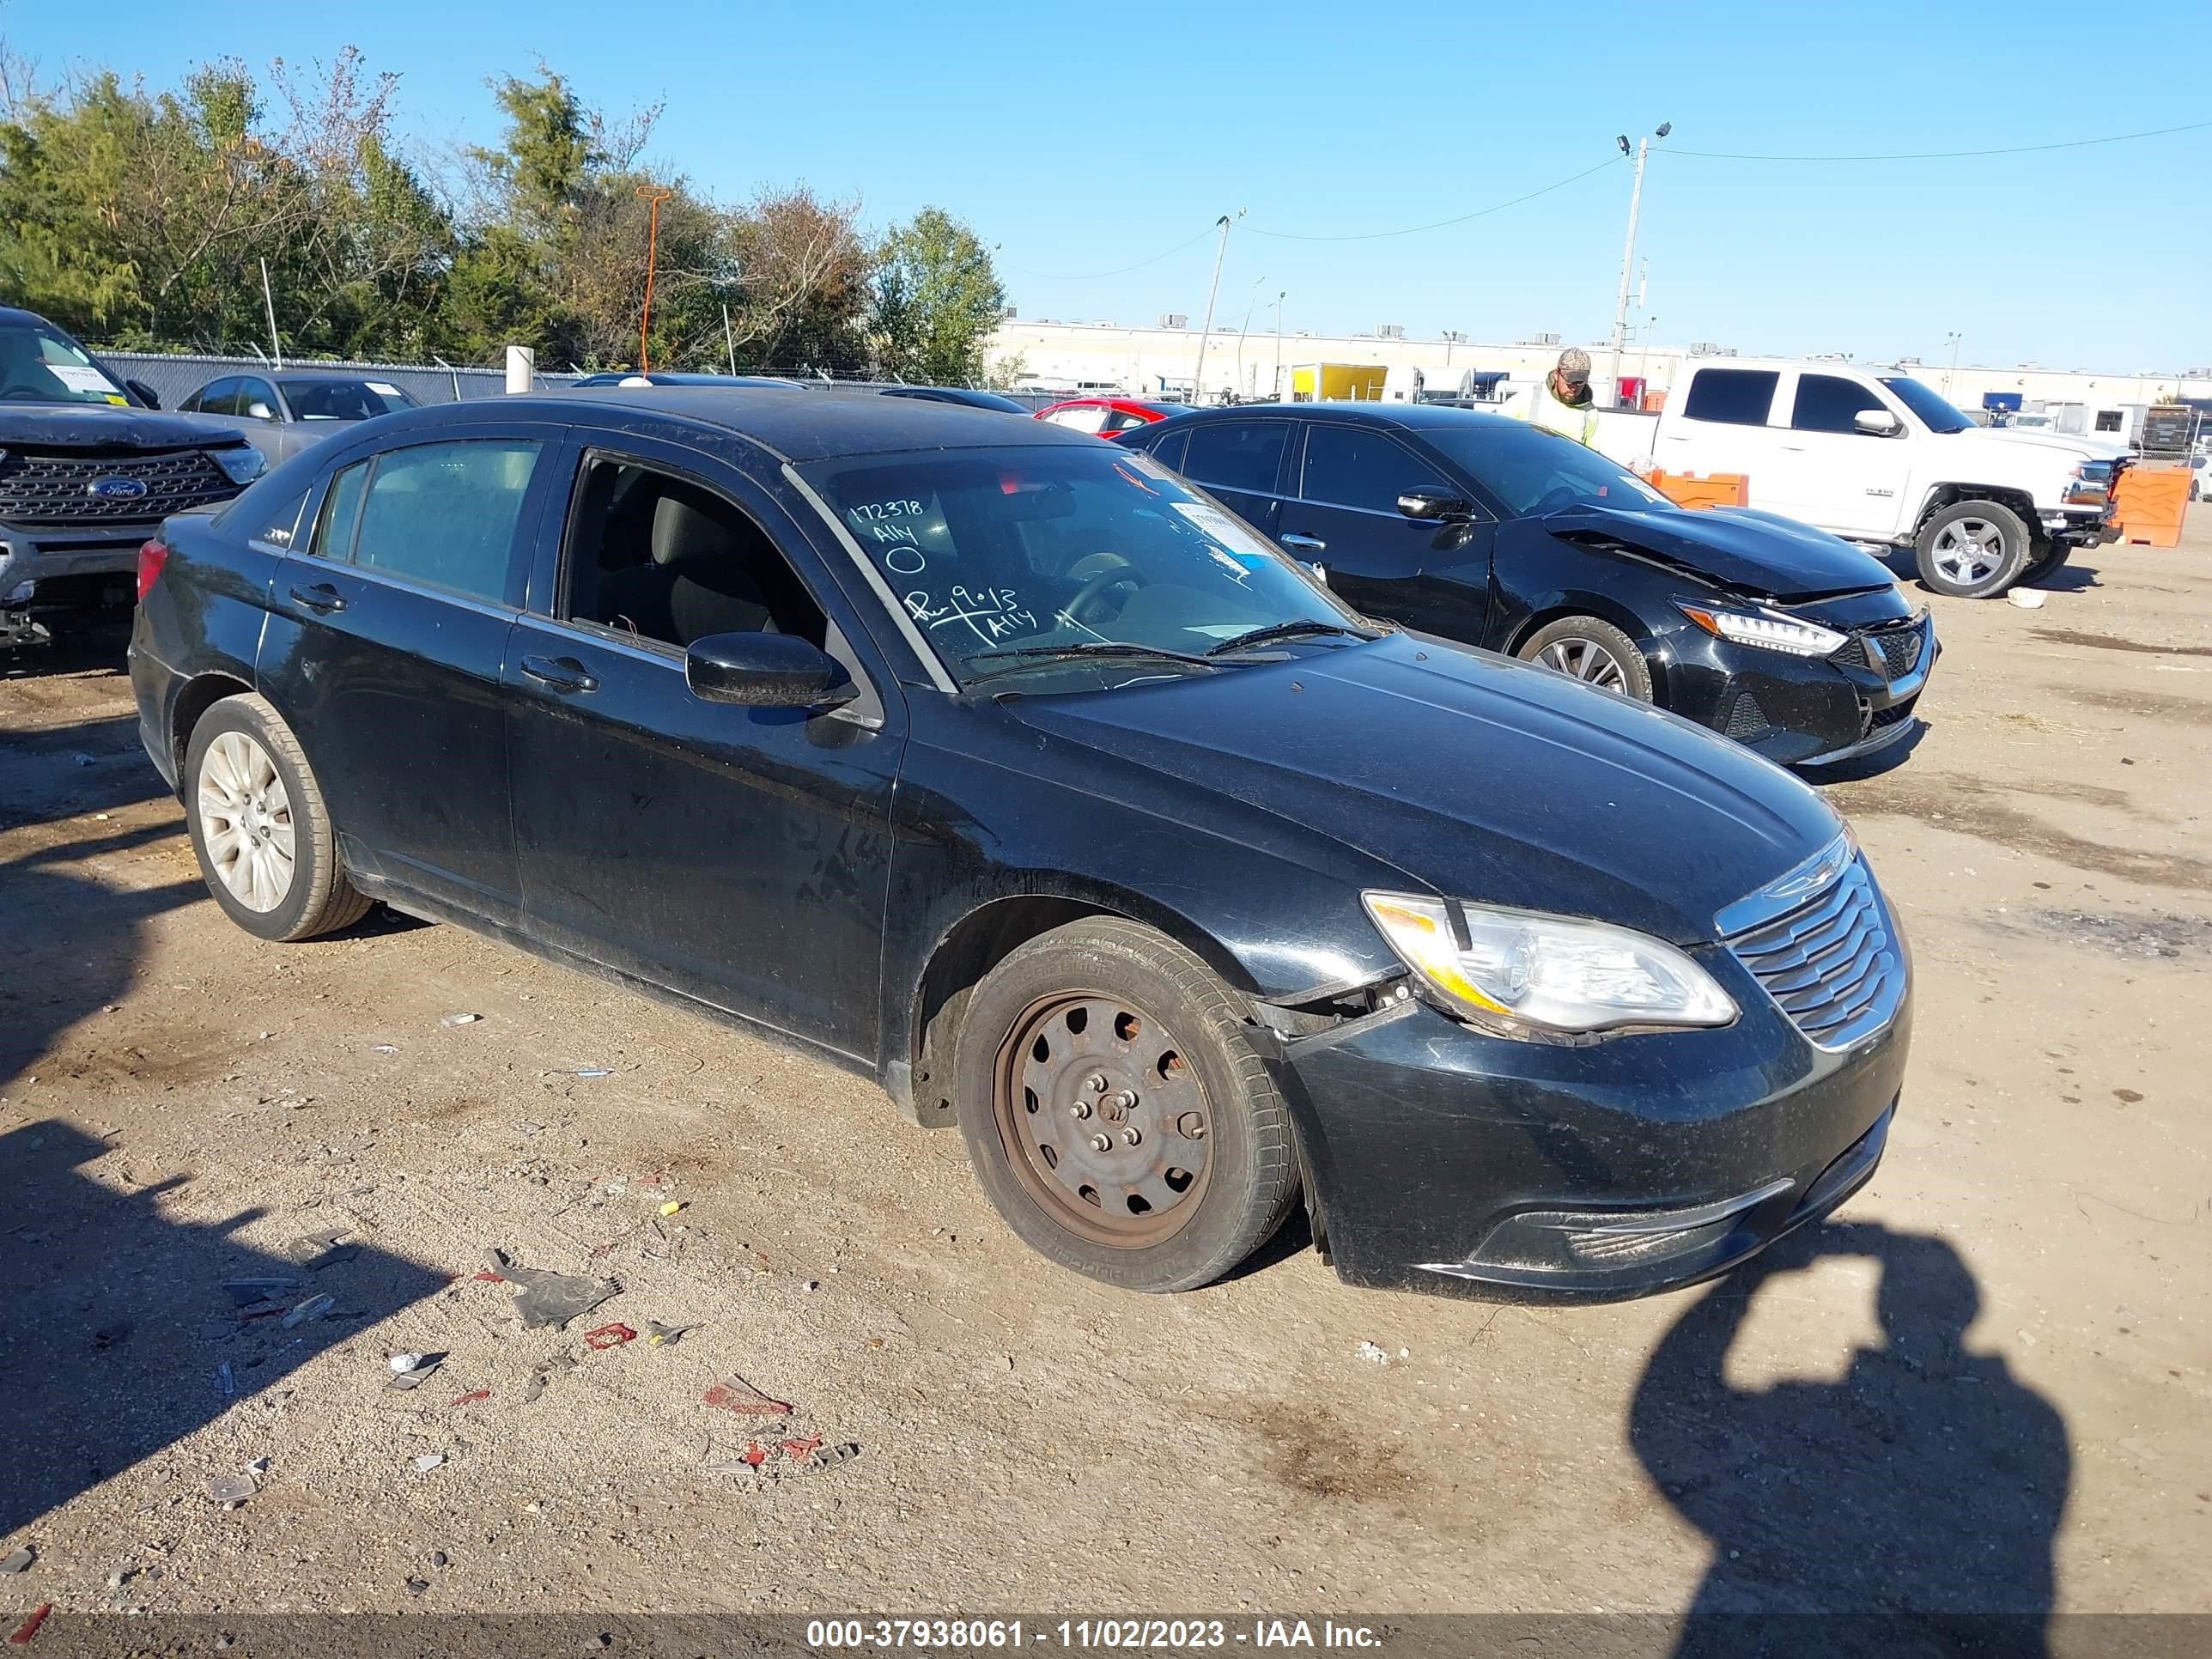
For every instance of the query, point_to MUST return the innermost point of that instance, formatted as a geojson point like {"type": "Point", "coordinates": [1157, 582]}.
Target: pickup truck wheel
{"type": "Point", "coordinates": [1974, 550]}
{"type": "Point", "coordinates": [2050, 556]}
{"type": "Point", "coordinates": [1118, 1119]}
{"type": "Point", "coordinates": [260, 827]}
{"type": "Point", "coordinates": [1595, 652]}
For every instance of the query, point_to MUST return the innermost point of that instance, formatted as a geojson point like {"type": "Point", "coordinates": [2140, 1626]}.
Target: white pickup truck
{"type": "Point", "coordinates": [1873, 456]}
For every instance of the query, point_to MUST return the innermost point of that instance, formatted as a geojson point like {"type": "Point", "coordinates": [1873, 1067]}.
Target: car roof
{"type": "Point", "coordinates": [1810, 365]}
{"type": "Point", "coordinates": [18, 315]}
{"type": "Point", "coordinates": [794, 422]}
{"type": "Point", "coordinates": [1408, 417]}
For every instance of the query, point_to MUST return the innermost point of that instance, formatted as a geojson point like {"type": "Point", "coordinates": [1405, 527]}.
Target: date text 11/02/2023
{"type": "Point", "coordinates": [1083, 1634]}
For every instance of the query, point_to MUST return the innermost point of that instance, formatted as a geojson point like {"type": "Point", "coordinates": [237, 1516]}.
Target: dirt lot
{"type": "Point", "coordinates": [1988, 1385]}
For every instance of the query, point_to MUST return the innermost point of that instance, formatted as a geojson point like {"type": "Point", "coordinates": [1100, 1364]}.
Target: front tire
{"type": "Point", "coordinates": [259, 828]}
{"type": "Point", "coordinates": [1105, 1032]}
{"type": "Point", "coordinates": [1974, 550]}
{"type": "Point", "coordinates": [1593, 652]}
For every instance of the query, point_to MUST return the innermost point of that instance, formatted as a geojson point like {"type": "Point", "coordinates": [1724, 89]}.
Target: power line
{"type": "Point", "coordinates": [1099, 276]}
{"type": "Point", "coordinates": [1415, 230]}
{"type": "Point", "coordinates": [1945, 154]}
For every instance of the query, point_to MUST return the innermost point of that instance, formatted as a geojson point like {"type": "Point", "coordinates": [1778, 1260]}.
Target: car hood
{"type": "Point", "coordinates": [104, 426]}
{"type": "Point", "coordinates": [2013, 441]}
{"type": "Point", "coordinates": [1471, 774]}
{"type": "Point", "coordinates": [1751, 552]}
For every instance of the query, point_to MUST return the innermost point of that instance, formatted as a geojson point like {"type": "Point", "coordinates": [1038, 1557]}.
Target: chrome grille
{"type": "Point", "coordinates": [1893, 653]}
{"type": "Point", "coordinates": [55, 488]}
{"type": "Point", "coordinates": [1834, 962]}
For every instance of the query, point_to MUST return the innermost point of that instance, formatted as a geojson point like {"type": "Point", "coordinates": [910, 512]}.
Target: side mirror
{"type": "Point", "coordinates": [1877, 422]}
{"type": "Point", "coordinates": [1435, 505]}
{"type": "Point", "coordinates": [142, 392]}
{"type": "Point", "coordinates": [258, 411]}
{"type": "Point", "coordinates": [766, 670]}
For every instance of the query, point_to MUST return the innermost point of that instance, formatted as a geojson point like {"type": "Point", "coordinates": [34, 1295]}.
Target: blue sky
{"type": "Point", "coordinates": [1081, 139]}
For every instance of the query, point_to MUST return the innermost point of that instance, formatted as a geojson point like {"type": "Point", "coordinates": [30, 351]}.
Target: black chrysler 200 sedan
{"type": "Point", "coordinates": [1491, 532]}
{"type": "Point", "coordinates": [987, 760]}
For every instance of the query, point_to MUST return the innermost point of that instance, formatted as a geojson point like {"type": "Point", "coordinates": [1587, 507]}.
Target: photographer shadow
{"type": "Point", "coordinates": [1909, 1507]}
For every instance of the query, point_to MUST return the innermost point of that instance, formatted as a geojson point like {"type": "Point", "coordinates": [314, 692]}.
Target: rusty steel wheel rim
{"type": "Point", "coordinates": [1104, 1119]}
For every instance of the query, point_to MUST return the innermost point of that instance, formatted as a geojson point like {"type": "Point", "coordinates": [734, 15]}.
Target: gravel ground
{"type": "Point", "coordinates": [1985, 1386]}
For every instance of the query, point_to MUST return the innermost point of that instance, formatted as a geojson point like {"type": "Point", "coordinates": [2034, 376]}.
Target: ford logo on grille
{"type": "Point", "coordinates": [116, 490]}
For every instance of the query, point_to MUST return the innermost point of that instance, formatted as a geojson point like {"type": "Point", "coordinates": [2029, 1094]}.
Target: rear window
{"type": "Point", "coordinates": [1236, 454]}
{"type": "Point", "coordinates": [446, 514]}
{"type": "Point", "coordinates": [1731, 397]}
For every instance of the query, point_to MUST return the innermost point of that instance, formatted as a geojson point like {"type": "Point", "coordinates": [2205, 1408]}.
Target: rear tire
{"type": "Point", "coordinates": [2050, 556]}
{"type": "Point", "coordinates": [260, 827]}
{"type": "Point", "coordinates": [1595, 652]}
{"type": "Point", "coordinates": [1974, 550]}
{"type": "Point", "coordinates": [1198, 1170]}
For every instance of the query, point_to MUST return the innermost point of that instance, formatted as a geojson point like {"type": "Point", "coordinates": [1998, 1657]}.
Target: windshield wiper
{"type": "Point", "coordinates": [1287, 630]}
{"type": "Point", "coordinates": [1081, 648]}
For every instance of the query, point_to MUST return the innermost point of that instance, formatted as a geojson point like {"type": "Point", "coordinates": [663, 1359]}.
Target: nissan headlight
{"type": "Point", "coordinates": [243, 464]}
{"type": "Point", "coordinates": [1772, 629]}
{"type": "Point", "coordinates": [1523, 973]}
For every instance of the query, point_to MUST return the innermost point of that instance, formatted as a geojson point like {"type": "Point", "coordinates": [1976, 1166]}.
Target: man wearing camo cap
{"type": "Point", "coordinates": [1563, 404]}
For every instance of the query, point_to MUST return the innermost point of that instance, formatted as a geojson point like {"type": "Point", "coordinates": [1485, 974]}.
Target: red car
{"type": "Point", "coordinates": [1105, 416]}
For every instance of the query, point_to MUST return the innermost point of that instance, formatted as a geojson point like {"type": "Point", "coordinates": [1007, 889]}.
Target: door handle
{"type": "Point", "coordinates": [1305, 544]}
{"type": "Point", "coordinates": [322, 597]}
{"type": "Point", "coordinates": [561, 673]}
{"type": "Point", "coordinates": [1793, 449]}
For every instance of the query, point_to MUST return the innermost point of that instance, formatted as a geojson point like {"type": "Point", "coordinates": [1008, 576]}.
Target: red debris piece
{"type": "Point", "coordinates": [753, 1454]}
{"type": "Point", "coordinates": [493, 1278]}
{"type": "Point", "coordinates": [29, 1627]}
{"type": "Point", "coordinates": [736, 1394]}
{"type": "Point", "coordinates": [608, 1336]}
{"type": "Point", "coordinates": [472, 1396]}
{"type": "Point", "coordinates": [800, 1450]}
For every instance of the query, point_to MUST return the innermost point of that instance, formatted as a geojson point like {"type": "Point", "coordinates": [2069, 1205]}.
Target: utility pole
{"type": "Point", "coordinates": [1277, 384]}
{"type": "Point", "coordinates": [1951, 373]}
{"type": "Point", "coordinates": [1198, 374]}
{"type": "Point", "coordinates": [656, 195]}
{"type": "Point", "coordinates": [1642, 152]}
{"type": "Point", "coordinates": [269, 301]}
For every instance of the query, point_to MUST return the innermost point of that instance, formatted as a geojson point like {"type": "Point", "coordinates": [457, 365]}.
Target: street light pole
{"type": "Point", "coordinates": [1951, 373]}
{"type": "Point", "coordinates": [656, 195]}
{"type": "Point", "coordinates": [1628, 252]}
{"type": "Point", "coordinates": [1252, 306]}
{"type": "Point", "coordinates": [1221, 248]}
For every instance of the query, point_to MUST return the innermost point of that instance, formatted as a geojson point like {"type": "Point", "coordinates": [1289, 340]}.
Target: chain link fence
{"type": "Point", "coordinates": [172, 377]}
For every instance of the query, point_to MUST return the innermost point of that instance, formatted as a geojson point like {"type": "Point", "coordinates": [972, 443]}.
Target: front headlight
{"type": "Point", "coordinates": [1769, 629]}
{"type": "Point", "coordinates": [244, 464]}
{"type": "Point", "coordinates": [1523, 973]}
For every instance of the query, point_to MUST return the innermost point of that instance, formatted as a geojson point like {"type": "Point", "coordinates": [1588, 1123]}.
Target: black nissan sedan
{"type": "Point", "coordinates": [987, 761]}
{"type": "Point", "coordinates": [1497, 533]}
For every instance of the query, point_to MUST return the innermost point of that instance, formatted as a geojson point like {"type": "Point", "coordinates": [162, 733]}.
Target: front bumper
{"type": "Point", "coordinates": [46, 569]}
{"type": "Point", "coordinates": [1450, 1161]}
{"type": "Point", "coordinates": [2082, 528]}
{"type": "Point", "coordinates": [1801, 711]}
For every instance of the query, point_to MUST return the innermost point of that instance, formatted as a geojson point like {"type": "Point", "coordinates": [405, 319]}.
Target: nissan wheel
{"type": "Point", "coordinates": [1595, 652]}
{"type": "Point", "coordinates": [1118, 1119]}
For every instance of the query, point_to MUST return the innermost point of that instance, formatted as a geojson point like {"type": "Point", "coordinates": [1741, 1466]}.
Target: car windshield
{"type": "Point", "coordinates": [41, 365]}
{"type": "Point", "coordinates": [1935, 413]}
{"type": "Point", "coordinates": [1062, 552]}
{"type": "Point", "coordinates": [1532, 471]}
{"type": "Point", "coordinates": [344, 400]}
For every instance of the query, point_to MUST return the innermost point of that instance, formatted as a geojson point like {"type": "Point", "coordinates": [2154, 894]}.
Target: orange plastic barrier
{"type": "Point", "coordinates": [1654, 402]}
{"type": "Point", "coordinates": [2152, 499]}
{"type": "Point", "coordinates": [1715, 489]}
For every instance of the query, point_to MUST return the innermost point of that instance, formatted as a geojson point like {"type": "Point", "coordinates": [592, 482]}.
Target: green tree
{"type": "Point", "coordinates": [937, 299]}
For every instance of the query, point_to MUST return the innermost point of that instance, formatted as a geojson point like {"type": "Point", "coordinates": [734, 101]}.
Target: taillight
{"type": "Point", "coordinates": [151, 558]}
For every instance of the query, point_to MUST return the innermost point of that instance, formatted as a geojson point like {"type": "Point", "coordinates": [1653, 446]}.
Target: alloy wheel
{"type": "Point", "coordinates": [1105, 1122]}
{"type": "Point", "coordinates": [1968, 549]}
{"type": "Point", "coordinates": [246, 821]}
{"type": "Point", "coordinates": [1585, 660]}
